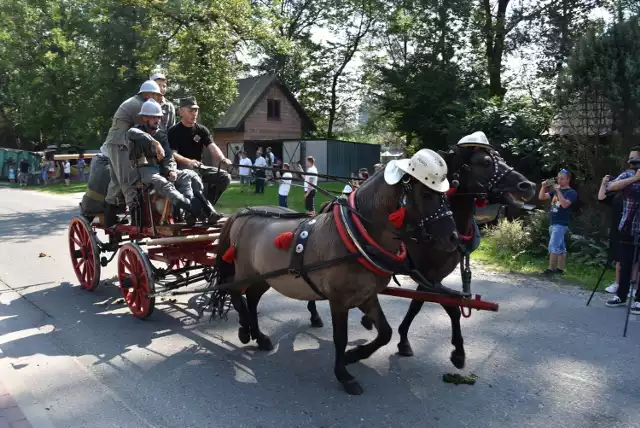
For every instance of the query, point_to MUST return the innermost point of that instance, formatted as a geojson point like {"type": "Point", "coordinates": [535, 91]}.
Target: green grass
{"type": "Point", "coordinates": [61, 188]}
{"type": "Point", "coordinates": [578, 274]}
{"type": "Point", "coordinates": [234, 199]}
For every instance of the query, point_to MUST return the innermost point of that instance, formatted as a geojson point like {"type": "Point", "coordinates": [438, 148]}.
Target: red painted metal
{"type": "Point", "coordinates": [475, 303]}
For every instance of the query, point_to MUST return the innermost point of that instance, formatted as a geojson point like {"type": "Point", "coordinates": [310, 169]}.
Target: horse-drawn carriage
{"type": "Point", "coordinates": [347, 255]}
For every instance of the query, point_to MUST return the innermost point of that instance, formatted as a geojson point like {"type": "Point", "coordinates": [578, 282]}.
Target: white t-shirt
{"type": "Point", "coordinates": [260, 161]}
{"type": "Point", "coordinates": [67, 167]}
{"type": "Point", "coordinates": [311, 179]}
{"type": "Point", "coordinates": [245, 161]}
{"type": "Point", "coordinates": [285, 186]}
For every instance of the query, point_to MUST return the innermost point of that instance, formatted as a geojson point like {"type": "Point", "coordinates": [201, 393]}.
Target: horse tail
{"type": "Point", "coordinates": [225, 269]}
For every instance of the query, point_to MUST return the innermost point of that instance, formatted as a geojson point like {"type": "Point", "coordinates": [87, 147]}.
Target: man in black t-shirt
{"type": "Point", "coordinates": [187, 140]}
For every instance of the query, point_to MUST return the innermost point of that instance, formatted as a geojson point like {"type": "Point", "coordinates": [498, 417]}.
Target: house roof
{"type": "Point", "coordinates": [250, 91]}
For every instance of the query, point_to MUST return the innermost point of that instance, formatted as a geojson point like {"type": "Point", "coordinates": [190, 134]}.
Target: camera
{"type": "Point", "coordinates": [634, 164]}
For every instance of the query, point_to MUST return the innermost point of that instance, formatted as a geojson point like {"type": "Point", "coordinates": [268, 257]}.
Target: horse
{"type": "Point", "coordinates": [334, 256]}
{"type": "Point", "coordinates": [479, 172]}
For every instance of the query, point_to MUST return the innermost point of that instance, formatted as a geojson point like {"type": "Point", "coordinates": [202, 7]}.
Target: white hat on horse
{"type": "Point", "coordinates": [426, 166]}
{"type": "Point", "coordinates": [477, 139]}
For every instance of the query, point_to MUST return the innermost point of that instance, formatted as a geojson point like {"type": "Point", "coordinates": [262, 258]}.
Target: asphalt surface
{"type": "Point", "coordinates": [71, 358]}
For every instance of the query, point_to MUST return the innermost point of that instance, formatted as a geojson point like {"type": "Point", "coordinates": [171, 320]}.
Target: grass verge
{"type": "Point", "coordinates": [61, 188]}
{"type": "Point", "coordinates": [527, 264]}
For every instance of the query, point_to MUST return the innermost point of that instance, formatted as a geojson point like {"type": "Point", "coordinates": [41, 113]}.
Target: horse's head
{"type": "Point", "coordinates": [478, 170]}
{"type": "Point", "coordinates": [421, 182]}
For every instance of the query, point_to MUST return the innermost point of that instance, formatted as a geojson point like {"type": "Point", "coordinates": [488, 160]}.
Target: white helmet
{"type": "Point", "coordinates": [151, 108]}
{"type": "Point", "coordinates": [157, 76]}
{"type": "Point", "coordinates": [477, 139]}
{"type": "Point", "coordinates": [150, 86]}
{"type": "Point", "coordinates": [426, 166]}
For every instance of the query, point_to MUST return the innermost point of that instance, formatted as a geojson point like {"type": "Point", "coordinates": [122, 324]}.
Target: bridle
{"type": "Point", "coordinates": [491, 186]}
{"type": "Point", "coordinates": [441, 213]}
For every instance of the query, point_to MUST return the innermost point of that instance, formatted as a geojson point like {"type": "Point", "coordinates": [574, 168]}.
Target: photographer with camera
{"type": "Point", "coordinates": [613, 200]}
{"type": "Point", "coordinates": [562, 198]}
{"type": "Point", "coordinates": [628, 183]}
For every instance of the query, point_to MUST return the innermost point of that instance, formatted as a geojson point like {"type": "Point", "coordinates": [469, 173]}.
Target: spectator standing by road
{"type": "Point", "coordinates": [310, 184]}
{"type": "Point", "coordinates": [628, 183]}
{"type": "Point", "coordinates": [260, 173]}
{"type": "Point", "coordinates": [23, 175]}
{"type": "Point", "coordinates": [562, 198]}
{"type": "Point", "coordinates": [285, 186]}
{"type": "Point", "coordinates": [614, 200]}
{"type": "Point", "coordinates": [67, 172]}
{"type": "Point", "coordinates": [244, 171]}
{"type": "Point", "coordinates": [81, 165]}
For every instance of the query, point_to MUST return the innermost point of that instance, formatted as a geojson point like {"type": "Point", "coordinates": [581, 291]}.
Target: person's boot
{"type": "Point", "coordinates": [191, 211]}
{"type": "Point", "coordinates": [110, 221]}
{"type": "Point", "coordinates": [211, 215]}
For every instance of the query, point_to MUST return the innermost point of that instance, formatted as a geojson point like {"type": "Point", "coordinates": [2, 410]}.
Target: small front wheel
{"type": "Point", "coordinates": [84, 252]}
{"type": "Point", "coordinates": [136, 280]}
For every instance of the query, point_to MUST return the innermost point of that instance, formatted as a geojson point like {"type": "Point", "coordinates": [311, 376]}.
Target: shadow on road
{"type": "Point", "coordinates": [19, 227]}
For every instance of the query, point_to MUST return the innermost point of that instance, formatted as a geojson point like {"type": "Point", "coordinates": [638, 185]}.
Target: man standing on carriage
{"type": "Point", "coordinates": [168, 110]}
{"type": "Point", "coordinates": [151, 155]}
{"type": "Point", "coordinates": [116, 148]}
{"type": "Point", "coordinates": [187, 140]}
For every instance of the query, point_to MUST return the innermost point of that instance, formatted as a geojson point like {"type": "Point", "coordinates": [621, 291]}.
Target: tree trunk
{"type": "Point", "coordinates": [495, 34]}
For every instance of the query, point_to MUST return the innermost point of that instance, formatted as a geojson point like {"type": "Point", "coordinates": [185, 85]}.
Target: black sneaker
{"type": "Point", "coordinates": [548, 272]}
{"type": "Point", "coordinates": [615, 301]}
{"type": "Point", "coordinates": [559, 272]}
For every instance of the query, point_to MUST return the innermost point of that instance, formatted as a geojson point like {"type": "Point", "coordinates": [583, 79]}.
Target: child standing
{"type": "Point", "coordinates": [285, 186]}
{"type": "Point", "coordinates": [12, 175]}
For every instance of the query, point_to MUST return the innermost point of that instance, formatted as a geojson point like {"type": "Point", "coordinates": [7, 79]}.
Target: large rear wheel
{"type": "Point", "coordinates": [136, 280]}
{"type": "Point", "coordinates": [84, 252]}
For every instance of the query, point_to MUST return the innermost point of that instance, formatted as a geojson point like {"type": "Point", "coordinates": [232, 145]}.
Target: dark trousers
{"type": "Point", "coordinates": [259, 185]}
{"type": "Point", "coordinates": [283, 201]}
{"type": "Point", "coordinates": [626, 267]}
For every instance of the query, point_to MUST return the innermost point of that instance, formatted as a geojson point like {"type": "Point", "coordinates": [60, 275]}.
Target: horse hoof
{"type": "Point", "coordinates": [264, 343]}
{"type": "Point", "coordinates": [244, 335]}
{"type": "Point", "coordinates": [352, 387]}
{"type": "Point", "coordinates": [404, 349]}
{"type": "Point", "coordinates": [317, 322]}
{"type": "Point", "coordinates": [457, 360]}
{"type": "Point", "coordinates": [366, 322]}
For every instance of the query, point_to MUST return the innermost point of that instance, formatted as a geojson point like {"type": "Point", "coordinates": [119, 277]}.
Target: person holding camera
{"type": "Point", "coordinates": [613, 200]}
{"type": "Point", "coordinates": [562, 198]}
{"type": "Point", "coordinates": [628, 183]}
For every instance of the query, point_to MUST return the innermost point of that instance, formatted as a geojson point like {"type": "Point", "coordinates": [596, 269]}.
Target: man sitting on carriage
{"type": "Point", "coordinates": [153, 159]}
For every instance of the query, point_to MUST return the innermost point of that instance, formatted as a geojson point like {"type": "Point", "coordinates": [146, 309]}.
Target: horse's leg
{"type": "Point", "coordinates": [457, 355]}
{"type": "Point", "coordinates": [374, 312]}
{"type": "Point", "coordinates": [339, 319]}
{"type": "Point", "coordinates": [404, 347]}
{"type": "Point", "coordinates": [316, 321]}
{"type": "Point", "coordinates": [240, 305]}
{"type": "Point", "coordinates": [254, 293]}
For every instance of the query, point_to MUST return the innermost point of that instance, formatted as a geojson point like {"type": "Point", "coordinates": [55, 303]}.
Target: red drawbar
{"type": "Point", "coordinates": [283, 241]}
{"type": "Point", "coordinates": [351, 246]}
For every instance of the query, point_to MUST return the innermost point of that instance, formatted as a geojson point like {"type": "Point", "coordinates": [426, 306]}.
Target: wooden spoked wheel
{"type": "Point", "coordinates": [136, 280]}
{"type": "Point", "coordinates": [84, 252]}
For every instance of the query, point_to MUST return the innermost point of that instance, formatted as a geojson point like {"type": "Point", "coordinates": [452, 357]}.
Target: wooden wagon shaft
{"type": "Point", "coordinates": [182, 239]}
{"type": "Point", "coordinates": [475, 303]}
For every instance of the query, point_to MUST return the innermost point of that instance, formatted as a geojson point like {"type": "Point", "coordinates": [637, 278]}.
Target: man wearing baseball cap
{"type": "Point", "coordinates": [168, 110]}
{"type": "Point", "coordinates": [188, 138]}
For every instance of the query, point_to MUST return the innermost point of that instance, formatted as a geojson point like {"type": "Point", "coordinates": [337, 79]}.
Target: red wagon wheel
{"type": "Point", "coordinates": [83, 248]}
{"type": "Point", "coordinates": [136, 280]}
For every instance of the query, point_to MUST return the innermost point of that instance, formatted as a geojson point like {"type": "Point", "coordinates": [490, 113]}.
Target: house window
{"type": "Point", "coordinates": [273, 109]}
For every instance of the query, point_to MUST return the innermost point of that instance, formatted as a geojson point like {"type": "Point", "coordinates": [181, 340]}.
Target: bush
{"type": "Point", "coordinates": [531, 235]}
{"type": "Point", "coordinates": [509, 238]}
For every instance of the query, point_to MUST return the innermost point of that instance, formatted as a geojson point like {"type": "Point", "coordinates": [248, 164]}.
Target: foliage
{"type": "Point", "coordinates": [509, 238]}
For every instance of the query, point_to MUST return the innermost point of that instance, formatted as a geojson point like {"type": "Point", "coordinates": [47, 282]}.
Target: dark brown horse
{"type": "Point", "coordinates": [251, 246]}
{"type": "Point", "coordinates": [479, 171]}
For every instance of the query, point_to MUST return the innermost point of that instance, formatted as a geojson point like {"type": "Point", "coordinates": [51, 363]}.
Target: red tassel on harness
{"type": "Point", "coordinates": [481, 203]}
{"type": "Point", "coordinates": [397, 217]}
{"type": "Point", "coordinates": [451, 191]}
{"type": "Point", "coordinates": [229, 255]}
{"type": "Point", "coordinates": [283, 241]}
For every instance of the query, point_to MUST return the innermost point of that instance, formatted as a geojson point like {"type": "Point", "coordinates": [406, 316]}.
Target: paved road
{"type": "Point", "coordinates": [70, 358]}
